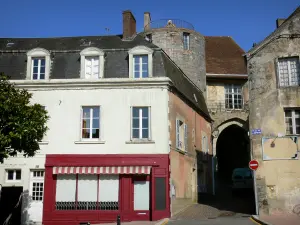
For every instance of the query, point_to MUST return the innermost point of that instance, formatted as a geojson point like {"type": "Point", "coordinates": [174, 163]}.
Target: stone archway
{"type": "Point", "coordinates": [223, 125]}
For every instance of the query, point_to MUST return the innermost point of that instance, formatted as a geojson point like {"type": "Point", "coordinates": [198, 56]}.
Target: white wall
{"type": "Point", "coordinates": [64, 107]}
{"type": "Point", "coordinates": [64, 125]}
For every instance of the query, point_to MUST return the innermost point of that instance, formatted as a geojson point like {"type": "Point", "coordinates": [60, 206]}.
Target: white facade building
{"type": "Point", "coordinates": [64, 101]}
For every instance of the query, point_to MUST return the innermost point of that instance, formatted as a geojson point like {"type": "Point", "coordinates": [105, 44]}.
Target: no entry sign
{"type": "Point", "coordinates": [253, 165]}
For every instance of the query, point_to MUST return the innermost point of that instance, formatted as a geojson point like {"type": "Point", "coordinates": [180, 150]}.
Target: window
{"type": "Point", "coordinates": [186, 41]}
{"type": "Point", "coordinates": [93, 192]}
{"type": "Point", "coordinates": [289, 71]}
{"type": "Point", "coordinates": [38, 68]}
{"type": "Point", "coordinates": [181, 135]}
{"type": "Point", "coordinates": [38, 64]}
{"type": "Point", "coordinates": [149, 37]}
{"type": "Point", "coordinates": [13, 175]}
{"type": "Point", "coordinates": [140, 69]}
{"type": "Point", "coordinates": [140, 62]}
{"type": "Point", "coordinates": [90, 122]}
{"type": "Point", "coordinates": [140, 123]}
{"type": "Point", "coordinates": [92, 63]}
{"type": "Point", "coordinates": [205, 146]}
{"type": "Point", "coordinates": [233, 97]}
{"type": "Point", "coordinates": [91, 67]}
{"type": "Point", "coordinates": [37, 185]}
{"type": "Point", "coordinates": [292, 121]}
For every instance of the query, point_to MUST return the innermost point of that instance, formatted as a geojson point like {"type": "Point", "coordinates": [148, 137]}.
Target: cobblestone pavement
{"type": "Point", "coordinates": [217, 221]}
{"type": "Point", "coordinates": [220, 209]}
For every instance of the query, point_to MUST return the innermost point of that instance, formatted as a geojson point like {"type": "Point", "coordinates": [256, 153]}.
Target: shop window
{"type": "Point", "coordinates": [93, 192]}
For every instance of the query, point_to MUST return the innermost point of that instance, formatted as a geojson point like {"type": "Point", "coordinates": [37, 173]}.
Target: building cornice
{"type": "Point", "coordinates": [227, 76]}
{"type": "Point", "coordinates": [106, 83]}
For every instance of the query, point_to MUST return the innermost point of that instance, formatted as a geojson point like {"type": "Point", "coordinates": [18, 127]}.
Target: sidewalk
{"type": "Point", "coordinates": [161, 222]}
{"type": "Point", "coordinates": [280, 219]}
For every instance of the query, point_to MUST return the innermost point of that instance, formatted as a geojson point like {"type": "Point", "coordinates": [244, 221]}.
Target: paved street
{"type": "Point", "coordinates": [217, 221]}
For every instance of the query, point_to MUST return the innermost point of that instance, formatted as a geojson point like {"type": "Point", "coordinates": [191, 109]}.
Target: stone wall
{"type": "Point", "coordinates": [191, 61]}
{"type": "Point", "coordinates": [278, 181]}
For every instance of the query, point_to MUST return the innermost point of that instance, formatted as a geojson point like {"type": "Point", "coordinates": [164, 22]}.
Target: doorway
{"type": "Point", "coordinates": [10, 198]}
{"type": "Point", "coordinates": [141, 196]}
{"type": "Point", "coordinates": [233, 152]}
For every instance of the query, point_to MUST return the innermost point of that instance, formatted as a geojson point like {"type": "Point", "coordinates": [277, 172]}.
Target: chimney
{"type": "Point", "coordinates": [147, 20]}
{"type": "Point", "coordinates": [129, 24]}
{"type": "Point", "coordinates": [279, 22]}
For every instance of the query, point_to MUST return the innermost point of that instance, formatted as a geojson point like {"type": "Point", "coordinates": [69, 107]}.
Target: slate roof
{"type": "Point", "coordinates": [65, 61]}
{"type": "Point", "coordinates": [224, 56]}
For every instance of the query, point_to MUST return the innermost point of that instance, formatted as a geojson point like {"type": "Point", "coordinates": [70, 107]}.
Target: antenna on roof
{"type": "Point", "coordinates": [107, 29]}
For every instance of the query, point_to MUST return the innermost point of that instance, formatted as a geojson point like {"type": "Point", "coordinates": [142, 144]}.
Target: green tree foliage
{"type": "Point", "coordinates": [22, 124]}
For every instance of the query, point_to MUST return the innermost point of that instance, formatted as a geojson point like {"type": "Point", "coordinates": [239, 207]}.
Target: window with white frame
{"type": "Point", "coordinates": [92, 192]}
{"type": "Point", "coordinates": [140, 123]}
{"type": "Point", "coordinates": [140, 62]}
{"type": "Point", "coordinates": [91, 67]}
{"type": "Point", "coordinates": [38, 68]}
{"type": "Point", "coordinates": [90, 122]}
{"type": "Point", "coordinates": [38, 64]}
{"type": "Point", "coordinates": [289, 71]}
{"type": "Point", "coordinates": [292, 121]}
{"type": "Point", "coordinates": [233, 96]}
{"type": "Point", "coordinates": [37, 185]}
{"type": "Point", "coordinates": [13, 175]}
{"type": "Point", "coordinates": [92, 63]}
{"type": "Point", "coordinates": [181, 135]}
{"type": "Point", "coordinates": [186, 41]}
{"type": "Point", "coordinates": [140, 69]}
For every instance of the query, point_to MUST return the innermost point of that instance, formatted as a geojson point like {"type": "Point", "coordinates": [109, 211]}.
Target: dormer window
{"type": "Point", "coordinates": [92, 63]}
{"type": "Point", "coordinates": [38, 64]}
{"type": "Point", "coordinates": [140, 62]}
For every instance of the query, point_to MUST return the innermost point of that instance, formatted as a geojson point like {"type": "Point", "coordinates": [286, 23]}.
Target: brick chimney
{"type": "Point", "coordinates": [147, 20]}
{"type": "Point", "coordinates": [279, 22]}
{"type": "Point", "coordinates": [129, 24]}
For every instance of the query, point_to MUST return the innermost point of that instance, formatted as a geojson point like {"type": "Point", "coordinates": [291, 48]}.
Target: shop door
{"type": "Point", "coordinates": [141, 197]}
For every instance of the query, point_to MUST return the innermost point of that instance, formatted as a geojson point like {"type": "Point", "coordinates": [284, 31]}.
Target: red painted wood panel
{"type": "Point", "coordinates": [52, 216]}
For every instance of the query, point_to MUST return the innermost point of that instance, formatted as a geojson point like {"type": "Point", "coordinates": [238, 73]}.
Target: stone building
{"type": "Point", "coordinates": [274, 101]}
{"type": "Point", "coordinates": [227, 100]}
{"type": "Point", "coordinates": [218, 68]}
{"type": "Point", "coordinates": [184, 45]}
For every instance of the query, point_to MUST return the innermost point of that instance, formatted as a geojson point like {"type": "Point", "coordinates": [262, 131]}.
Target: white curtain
{"type": "Point", "coordinates": [109, 188]}
{"type": "Point", "coordinates": [87, 188]}
{"type": "Point", "coordinates": [66, 188]}
{"type": "Point", "coordinates": [141, 195]}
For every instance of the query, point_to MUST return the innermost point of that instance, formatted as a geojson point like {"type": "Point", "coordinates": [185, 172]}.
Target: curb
{"type": "Point", "coordinates": [180, 210]}
{"type": "Point", "coordinates": [256, 219]}
{"type": "Point", "coordinates": [163, 222]}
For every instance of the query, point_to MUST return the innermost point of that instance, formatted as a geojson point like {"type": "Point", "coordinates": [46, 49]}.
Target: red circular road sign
{"type": "Point", "coordinates": [253, 164]}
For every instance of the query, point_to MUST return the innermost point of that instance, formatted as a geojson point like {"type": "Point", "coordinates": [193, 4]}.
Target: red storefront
{"type": "Point", "coordinates": [98, 188]}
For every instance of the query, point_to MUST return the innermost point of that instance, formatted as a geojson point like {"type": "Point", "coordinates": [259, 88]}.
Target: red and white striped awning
{"type": "Point", "coordinates": [103, 170]}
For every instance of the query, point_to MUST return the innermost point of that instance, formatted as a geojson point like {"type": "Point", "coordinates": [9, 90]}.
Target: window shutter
{"type": "Point", "coordinates": [96, 67]}
{"type": "Point", "coordinates": [177, 134]}
{"type": "Point", "coordinates": [185, 137]}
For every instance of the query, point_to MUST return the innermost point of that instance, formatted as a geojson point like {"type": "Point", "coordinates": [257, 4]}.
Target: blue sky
{"type": "Point", "coordinates": [246, 21]}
